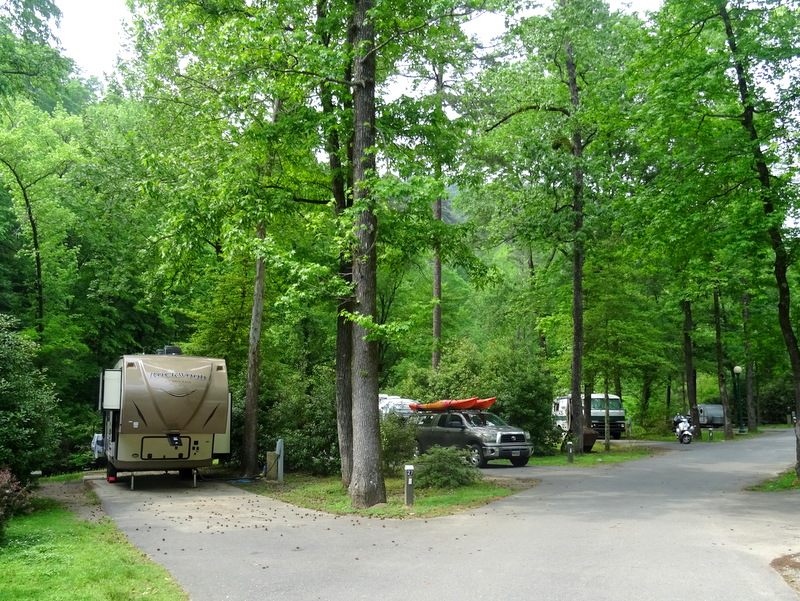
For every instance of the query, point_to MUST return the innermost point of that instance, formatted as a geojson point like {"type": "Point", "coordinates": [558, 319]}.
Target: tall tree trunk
{"type": "Point", "coordinates": [344, 385]}
{"type": "Point", "coordinates": [669, 396]}
{"type": "Point", "coordinates": [606, 417]}
{"type": "Point", "coordinates": [37, 254]}
{"type": "Point", "coordinates": [781, 264]}
{"type": "Point", "coordinates": [341, 181]}
{"type": "Point", "coordinates": [250, 434]}
{"type": "Point", "coordinates": [688, 360]}
{"type": "Point", "coordinates": [721, 380]}
{"type": "Point", "coordinates": [367, 487]}
{"type": "Point", "coordinates": [579, 420]}
{"type": "Point", "coordinates": [437, 294]}
{"type": "Point", "coordinates": [436, 355]}
{"type": "Point", "coordinates": [647, 392]}
{"type": "Point", "coordinates": [752, 421]}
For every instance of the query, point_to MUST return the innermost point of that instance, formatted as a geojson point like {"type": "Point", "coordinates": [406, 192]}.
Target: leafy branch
{"type": "Point", "coordinates": [524, 109]}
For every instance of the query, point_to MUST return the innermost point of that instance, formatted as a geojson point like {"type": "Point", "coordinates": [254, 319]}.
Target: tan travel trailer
{"type": "Point", "coordinates": [164, 412]}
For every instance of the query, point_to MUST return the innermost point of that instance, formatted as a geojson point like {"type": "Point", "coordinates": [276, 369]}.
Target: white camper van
{"type": "Point", "coordinates": [616, 414]}
{"type": "Point", "coordinates": [164, 412]}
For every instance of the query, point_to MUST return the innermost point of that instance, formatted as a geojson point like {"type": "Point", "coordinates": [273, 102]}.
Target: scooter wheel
{"type": "Point", "coordinates": [686, 438]}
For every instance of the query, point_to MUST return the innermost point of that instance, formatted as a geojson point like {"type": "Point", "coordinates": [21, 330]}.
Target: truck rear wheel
{"type": "Point", "coordinates": [111, 472]}
{"type": "Point", "coordinates": [519, 461]}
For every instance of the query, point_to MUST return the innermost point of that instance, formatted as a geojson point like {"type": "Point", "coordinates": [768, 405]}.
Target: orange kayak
{"type": "Point", "coordinates": [446, 404]}
{"type": "Point", "coordinates": [484, 403]}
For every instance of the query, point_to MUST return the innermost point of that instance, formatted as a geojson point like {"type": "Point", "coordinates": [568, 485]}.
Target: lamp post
{"type": "Point", "coordinates": [737, 389]}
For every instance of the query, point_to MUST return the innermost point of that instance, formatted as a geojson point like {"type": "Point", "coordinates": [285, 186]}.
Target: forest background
{"type": "Point", "coordinates": [594, 200]}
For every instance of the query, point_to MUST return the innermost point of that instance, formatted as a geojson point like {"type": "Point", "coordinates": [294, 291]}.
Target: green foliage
{"type": "Point", "coordinates": [525, 394]}
{"type": "Point", "coordinates": [29, 424]}
{"type": "Point", "coordinates": [14, 499]}
{"type": "Point", "coordinates": [444, 467]}
{"type": "Point", "coordinates": [80, 422]}
{"type": "Point", "coordinates": [304, 415]}
{"type": "Point", "coordinates": [29, 64]}
{"type": "Point", "coordinates": [15, 267]}
{"type": "Point", "coordinates": [398, 442]}
{"type": "Point", "coordinates": [460, 375]}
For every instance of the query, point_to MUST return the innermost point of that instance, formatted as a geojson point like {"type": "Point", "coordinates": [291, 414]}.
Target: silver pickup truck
{"type": "Point", "coordinates": [485, 435]}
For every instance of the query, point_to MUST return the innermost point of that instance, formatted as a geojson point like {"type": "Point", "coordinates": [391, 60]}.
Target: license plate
{"type": "Point", "coordinates": [515, 453]}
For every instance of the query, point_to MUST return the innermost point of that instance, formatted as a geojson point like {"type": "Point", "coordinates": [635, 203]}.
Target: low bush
{"type": "Point", "coordinates": [445, 467]}
{"type": "Point", "coordinates": [14, 499]}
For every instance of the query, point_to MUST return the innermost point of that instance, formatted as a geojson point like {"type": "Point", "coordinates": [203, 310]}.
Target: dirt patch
{"type": "Point", "coordinates": [513, 483]}
{"type": "Point", "coordinates": [788, 566]}
{"type": "Point", "coordinates": [76, 496]}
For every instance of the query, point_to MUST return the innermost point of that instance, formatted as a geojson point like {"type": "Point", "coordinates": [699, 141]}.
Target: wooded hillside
{"type": "Point", "coordinates": [345, 198]}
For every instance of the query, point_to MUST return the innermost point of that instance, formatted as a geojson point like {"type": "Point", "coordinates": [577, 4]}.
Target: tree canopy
{"type": "Point", "coordinates": [347, 198]}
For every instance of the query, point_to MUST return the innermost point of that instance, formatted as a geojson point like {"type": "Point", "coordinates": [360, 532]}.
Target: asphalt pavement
{"type": "Point", "coordinates": [675, 525]}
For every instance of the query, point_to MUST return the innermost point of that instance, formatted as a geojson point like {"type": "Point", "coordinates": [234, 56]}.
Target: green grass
{"type": "Point", "coordinates": [50, 555]}
{"type": "Point", "coordinates": [328, 495]}
{"type": "Point", "coordinates": [74, 477]}
{"type": "Point", "coordinates": [719, 435]}
{"type": "Point", "coordinates": [786, 481]}
{"type": "Point", "coordinates": [599, 456]}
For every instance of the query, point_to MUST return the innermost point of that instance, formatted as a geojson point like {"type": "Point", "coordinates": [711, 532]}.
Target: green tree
{"type": "Point", "coordinates": [553, 116]}
{"type": "Point", "coordinates": [36, 152]}
{"type": "Point", "coordinates": [719, 59]}
{"type": "Point", "coordinates": [29, 64]}
{"type": "Point", "coordinates": [29, 424]}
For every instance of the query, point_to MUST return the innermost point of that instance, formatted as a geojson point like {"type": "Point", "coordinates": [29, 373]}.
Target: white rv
{"type": "Point", "coordinates": [164, 412]}
{"type": "Point", "coordinates": [388, 404]}
{"type": "Point", "coordinates": [616, 414]}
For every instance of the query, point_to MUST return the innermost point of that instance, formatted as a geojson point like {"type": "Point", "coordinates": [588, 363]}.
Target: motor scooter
{"type": "Point", "coordinates": [684, 430]}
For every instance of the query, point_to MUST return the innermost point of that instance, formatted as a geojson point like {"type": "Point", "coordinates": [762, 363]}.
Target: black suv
{"type": "Point", "coordinates": [486, 435]}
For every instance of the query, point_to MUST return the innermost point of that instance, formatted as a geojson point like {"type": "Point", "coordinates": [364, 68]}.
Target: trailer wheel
{"type": "Point", "coordinates": [111, 472]}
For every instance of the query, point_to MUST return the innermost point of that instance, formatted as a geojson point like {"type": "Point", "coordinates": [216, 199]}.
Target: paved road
{"type": "Point", "coordinates": [668, 527]}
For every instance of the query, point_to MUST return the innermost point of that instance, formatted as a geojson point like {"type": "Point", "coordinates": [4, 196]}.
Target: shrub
{"type": "Point", "coordinates": [398, 440]}
{"type": "Point", "coordinates": [14, 499]}
{"type": "Point", "coordinates": [445, 467]}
